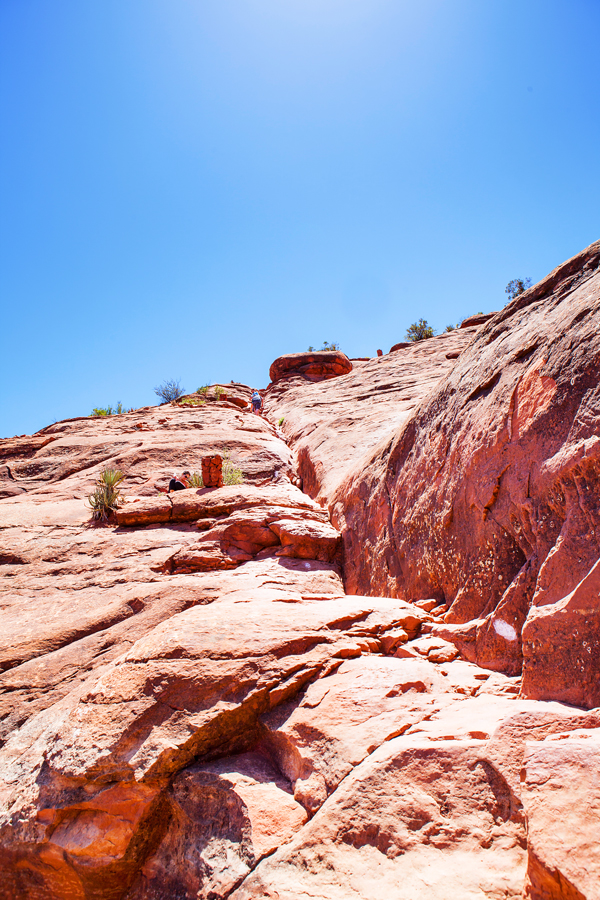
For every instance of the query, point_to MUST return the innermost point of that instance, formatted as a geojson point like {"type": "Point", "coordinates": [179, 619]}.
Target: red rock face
{"type": "Point", "coordinates": [334, 427]}
{"type": "Point", "coordinates": [486, 495]}
{"type": "Point", "coordinates": [192, 706]}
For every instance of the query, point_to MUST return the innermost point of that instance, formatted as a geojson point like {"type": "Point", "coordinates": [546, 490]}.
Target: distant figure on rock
{"type": "Point", "coordinates": [179, 484]}
{"type": "Point", "coordinates": [256, 402]}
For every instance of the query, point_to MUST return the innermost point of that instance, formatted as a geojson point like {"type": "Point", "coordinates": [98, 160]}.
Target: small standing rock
{"type": "Point", "coordinates": [212, 471]}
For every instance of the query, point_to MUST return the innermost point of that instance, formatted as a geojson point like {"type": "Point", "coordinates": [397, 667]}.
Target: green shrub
{"type": "Point", "coordinates": [119, 410]}
{"type": "Point", "coordinates": [281, 421]}
{"type": "Point", "coordinates": [219, 391]}
{"type": "Point", "coordinates": [106, 496]}
{"type": "Point", "coordinates": [202, 390]}
{"type": "Point", "coordinates": [450, 328]}
{"type": "Point", "coordinates": [191, 401]}
{"type": "Point", "coordinates": [231, 474]}
{"type": "Point", "coordinates": [419, 331]}
{"type": "Point", "coordinates": [169, 390]}
{"type": "Point", "coordinates": [195, 480]}
{"type": "Point", "coordinates": [326, 346]}
{"type": "Point", "coordinates": [516, 287]}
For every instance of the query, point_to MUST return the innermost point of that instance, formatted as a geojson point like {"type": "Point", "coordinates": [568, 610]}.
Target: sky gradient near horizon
{"type": "Point", "coordinates": [191, 188]}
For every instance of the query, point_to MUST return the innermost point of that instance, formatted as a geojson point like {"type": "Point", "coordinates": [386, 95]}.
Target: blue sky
{"type": "Point", "coordinates": [190, 188]}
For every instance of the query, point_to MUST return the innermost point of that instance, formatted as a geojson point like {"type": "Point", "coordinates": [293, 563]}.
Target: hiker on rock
{"type": "Point", "coordinates": [256, 402]}
{"type": "Point", "coordinates": [179, 484]}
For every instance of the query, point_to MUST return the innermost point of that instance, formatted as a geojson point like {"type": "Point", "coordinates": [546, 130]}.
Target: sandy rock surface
{"type": "Point", "coordinates": [370, 670]}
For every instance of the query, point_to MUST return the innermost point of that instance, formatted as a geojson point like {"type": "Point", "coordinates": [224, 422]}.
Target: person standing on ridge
{"type": "Point", "coordinates": [256, 402]}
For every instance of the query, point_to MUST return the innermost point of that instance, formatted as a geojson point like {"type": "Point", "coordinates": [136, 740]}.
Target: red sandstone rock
{"type": "Point", "coordinates": [491, 489]}
{"type": "Point", "coordinates": [335, 426]}
{"type": "Point", "coordinates": [431, 812]}
{"type": "Point", "coordinates": [561, 646]}
{"type": "Point", "coordinates": [477, 319]}
{"type": "Point", "coordinates": [317, 366]}
{"type": "Point", "coordinates": [225, 817]}
{"type": "Point", "coordinates": [181, 690]}
{"type": "Point", "coordinates": [212, 471]}
{"type": "Point", "coordinates": [561, 799]}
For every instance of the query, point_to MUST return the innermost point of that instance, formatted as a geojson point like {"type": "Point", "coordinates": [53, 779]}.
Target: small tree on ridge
{"type": "Point", "coordinates": [169, 390]}
{"type": "Point", "coordinates": [419, 331]}
{"type": "Point", "coordinates": [516, 287]}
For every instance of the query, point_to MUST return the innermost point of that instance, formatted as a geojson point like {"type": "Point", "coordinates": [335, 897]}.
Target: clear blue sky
{"type": "Point", "coordinates": [191, 188]}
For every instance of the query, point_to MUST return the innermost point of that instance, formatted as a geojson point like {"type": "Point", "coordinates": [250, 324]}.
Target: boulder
{"type": "Point", "coordinates": [224, 818]}
{"type": "Point", "coordinates": [478, 319]}
{"type": "Point", "coordinates": [314, 366]}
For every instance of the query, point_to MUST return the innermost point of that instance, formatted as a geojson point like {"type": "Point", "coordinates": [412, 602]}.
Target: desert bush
{"type": "Point", "coordinates": [281, 421]}
{"type": "Point", "coordinates": [516, 287]}
{"type": "Point", "coordinates": [219, 391]}
{"type": "Point", "coordinates": [231, 474]}
{"type": "Point", "coordinates": [191, 401]}
{"type": "Point", "coordinates": [195, 480]}
{"type": "Point", "coordinates": [169, 390]}
{"type": "Point", "coordinates": [203, 389]}
{"type": "Point", "coordinates": [419, 331]}
{"type": "Point", "coordinates": [450, 328]}
{"type": "Point", "coordinates": [326, 346]}
{"type": "Point", "coordinates": [109, 411]}
{"type": "Point", "coordinates": [106, 496]}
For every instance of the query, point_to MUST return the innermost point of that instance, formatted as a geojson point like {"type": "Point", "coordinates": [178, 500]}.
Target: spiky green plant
{"type": "Point", "coordinates": [105, 498]}
{"type": "Point", "coordinates": [219, 391]}
{"type": "Point", "coordinates": [118, 410]}
{"type": "Point", "coordinates": [195, 480]}
{"type": "Point", "coordinates": [203, 389]}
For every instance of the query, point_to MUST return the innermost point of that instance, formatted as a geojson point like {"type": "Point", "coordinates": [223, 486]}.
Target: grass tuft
{"type": "Point", "coordinates": [231, 474]}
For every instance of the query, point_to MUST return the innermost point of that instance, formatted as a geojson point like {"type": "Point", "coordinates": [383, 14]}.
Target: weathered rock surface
{"type": "Point", "coordinates": [485, 496]}
{"type": "Point", "coordinates": [192, 707]}
{"type": "Point", "coordinates": [334, 426]}
{"type": "Point", "coordinates": [310, 366]}
{"type": "Point", "coordinates": [436, 811]}
{"type": "Point", "coordinates": [561, 797]}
